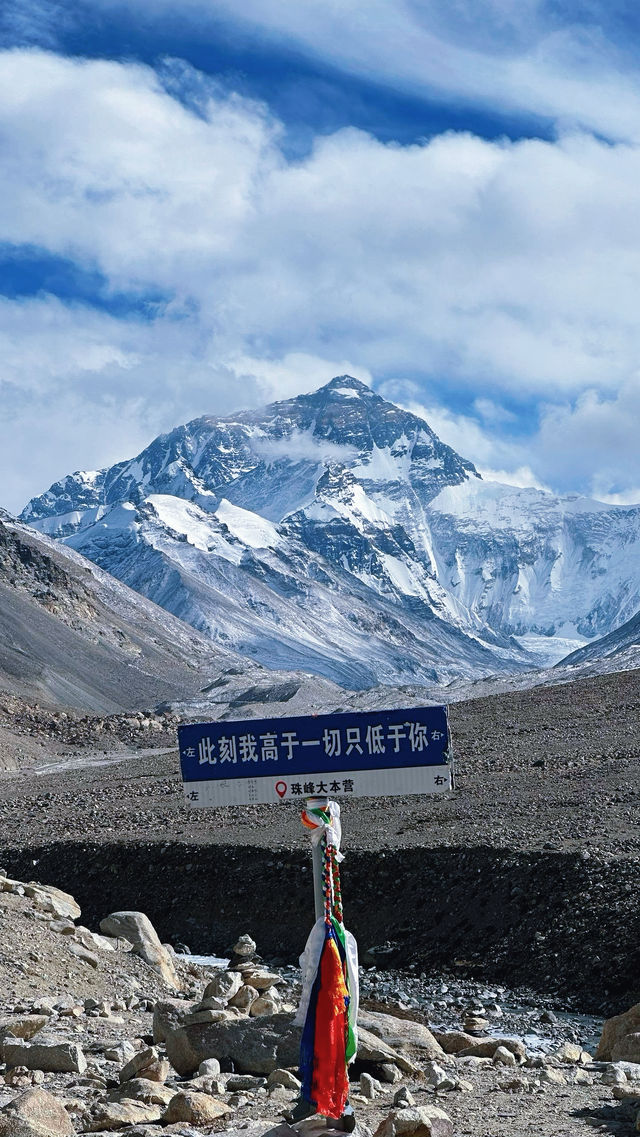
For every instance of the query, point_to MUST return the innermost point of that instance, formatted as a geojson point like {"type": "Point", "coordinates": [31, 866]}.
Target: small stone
{"type": "Point", "coordinates": [141, 1089]}
{"type": "Point", "coordinates": [194, 1108]}
{"type": "Point", "coordinates": [414, 1121]}
{"type": "Point", "coordinates": [368, 1087]}
{"type": "Point", "coordinates": [437, 1077]}
{"type": "Point", "coordinates": [245, 947]}
{"type": "Point", "coordinates": [284, 1078]}
{"type": "Point", "coordinates": [119, 1115]}
{"type": "Point", "coordinates": [245, 1082]}
{"type": "Point", "coordinates": [244, 998]}
{"type": "Point", "coordinates": [403, 1097]}
{"type": "Point", "coordinates": [569, 1052]}
{"type": "Point", "coordinates": [210, 1068]}
{"type": "Point", "coordinates": [389, 1073]}
{"type": "Point", "coordinates": [503, 1057]}
{"type": "Point", "coordinates": [267, 1004]}
{"type": "Point", "coordinates": [83, 954]}
{"type": "Point", "coordinates": [261, 979]}
{"type": "Point", "coordinates": [146, 1064]}
{"type": "Point", "coordinates": [238, 1101]}
{"type": "Point", "coordinates": [224, 985]}
{"type": "Point", "coordinates": [552, 1077]}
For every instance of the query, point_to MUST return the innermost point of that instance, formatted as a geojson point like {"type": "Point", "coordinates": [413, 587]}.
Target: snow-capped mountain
{"type": "Point", "coordinates": [335, 532]}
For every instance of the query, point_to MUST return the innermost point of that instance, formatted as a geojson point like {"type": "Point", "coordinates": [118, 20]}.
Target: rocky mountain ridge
{"type": "Point", "coordinates": [334, 532]}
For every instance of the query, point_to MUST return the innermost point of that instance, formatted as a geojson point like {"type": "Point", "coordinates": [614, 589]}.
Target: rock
{"type": "Point", "coordinates": [224, 985]}
{"type": "Point", "coordinates": [403, 1097]}
{"type": "Point", "coordinates": [245, 1082]}
{"type": "Point", "coordinates": [237, 1101]}
{"type": "Point", "coordinates": [19, 1076]}
{"type": "Point", "coordinates": [21, 1026]}
{"type": "Point", "coordinates": [389, 1073]}
{"type": "Point", "coordinates": [208, 1085]}
{"type": "Point", "coordinates": [615, 1030]}
{"type": "Point", "coordinates": [374, 1049]}
{"type": "Point", "coordinates": [627, 1049]}
{"type": "Point", "coordinates": [35, 1113]}
{"type": "Point", "coordinates": [454, 1041]}
{"type": "Point", "coordinates": [245, 947]}
{"type": "Point", "coordinates": [261, 979]}
{"type": "Point", "coordinates": [569, 1052]}
{"type": "Point", "coordinates": [140, 932]}
{"type": "Point", "coordinates": [438, 1078]}
{"type": "Point", "coordinates": [195, 1108]}
{"type": "Point", "coordinates": [613, 1076]}
{"type": "Point", "coordinates": [141, 1089]}
{"type": "Point", "coordinates": [146, 1064]}
{"type": "Point", "coordinates": [211, 1004]}
{"type": "Point", "coordinates": [51, 1056]}
{"type": "Point", "coordinates": [368, 1087]}
{"type": "Point", "coordinates": [552, 1077]}
{"type": "Point", "coordinates": [244, 998]}
{"type": "Point", "coordinates": [82, 953]}
{"type": "Point", "coordinates": [202, 1017]}
{"type": "Point", "coordinates": [54, 900]}
{"type": "Point", "coordinates": [210, 1068]}
{"type": "Point", "coordinates": [414, 1121]}
{"type": "Point", "coordinates": [410, 1037]}
{"type": "Point", "coordinates": [626, 1093]}
{"type": "Point", "coordinates": [169, 1014]}
{"type": "Point", "coordinates": [486, 1048]}
{"type": "Point", "coordinates": [284, 1078]}
{"type": "Point", "coordinates": [115, 1115]}
{"type": "Point", "coordinates": [267, 1004]}
{"type": "Point", "coordinates": [581, 1078]}
{"type": "Point", "coordinates": [503, 1057]}
{"type": "Point", "coordinates": [254, 1046]}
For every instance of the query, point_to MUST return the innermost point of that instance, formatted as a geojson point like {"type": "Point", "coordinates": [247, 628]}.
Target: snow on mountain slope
{"type": "Point", "coordinates": [272, 598]}
{"type": "Point", "coordinates": [531, 564]}
{"type": "Point", "coordinates": [335, 531]}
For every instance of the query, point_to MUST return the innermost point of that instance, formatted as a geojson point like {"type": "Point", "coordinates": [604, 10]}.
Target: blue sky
{"type": "Point", "coordinates": [204, 208]}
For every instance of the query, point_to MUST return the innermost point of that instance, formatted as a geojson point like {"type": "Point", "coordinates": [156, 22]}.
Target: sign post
{"type": "Point", "coordinates": [312, 760]}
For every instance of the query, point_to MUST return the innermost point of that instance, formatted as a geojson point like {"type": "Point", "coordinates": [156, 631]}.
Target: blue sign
{"type": "Point", "coordinates": [314, 755]}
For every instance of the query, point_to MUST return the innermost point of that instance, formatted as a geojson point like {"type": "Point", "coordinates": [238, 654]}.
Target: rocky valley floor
{"type": "Point", "coordinates": [526, 876]}
{"type": "Point", "coordinates": [96, 1039]}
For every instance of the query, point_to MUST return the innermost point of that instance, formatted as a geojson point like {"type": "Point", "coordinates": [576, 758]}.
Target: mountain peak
{"type": "Point", "coordinates": [345, 384]}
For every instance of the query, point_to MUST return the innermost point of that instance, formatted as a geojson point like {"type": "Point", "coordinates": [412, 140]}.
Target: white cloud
{"type": "Point", "coordinates": [523, 477]}
{"type": "Point", "coordinates": [509, 268]}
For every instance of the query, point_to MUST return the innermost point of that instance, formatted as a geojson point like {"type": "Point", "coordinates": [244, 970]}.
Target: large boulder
{"type": "Point", "coordinates": [613, 1046]}
{"type": "Point", "coordinates": [50, 1055]}
{"type": "Point", "coordinates": [259, 1046]}
{"type": "Point", "coordinates": [255, 1046]}
{"type": "Point", "coordinates": [411, 1037]}
{"type": "Point", "coordinates": [35, 1113]}
{"type": "Point", "coordinates": [140, 932]}
{"type": "Point", "coordinates": [170, 1014]}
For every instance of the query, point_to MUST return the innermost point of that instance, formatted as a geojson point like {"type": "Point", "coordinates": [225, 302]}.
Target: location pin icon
{"type": "Point", "coordinates": [281, 788]}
